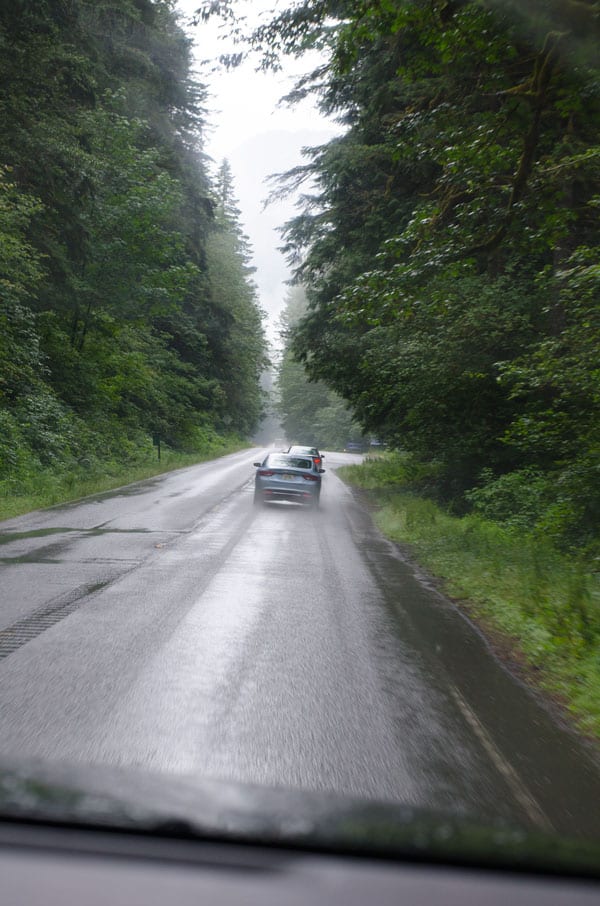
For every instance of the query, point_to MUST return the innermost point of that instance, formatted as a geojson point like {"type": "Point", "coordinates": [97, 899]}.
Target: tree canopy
{"type": "Point", "coordinates": [311, 413]}
{"type": "Point", "coordinates": [449, 247]}
{"type": "Point", "coordinates": [126, 304]}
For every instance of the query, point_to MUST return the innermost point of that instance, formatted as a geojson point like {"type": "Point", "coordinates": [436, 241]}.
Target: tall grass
{"type": "Point", "coordinates": [545, 602]}
{"type": "Point", "coordinates": [49, 487]}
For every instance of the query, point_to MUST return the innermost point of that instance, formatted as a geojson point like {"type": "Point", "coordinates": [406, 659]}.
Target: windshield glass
{"type": "Point", "coordinates": [418, 625]}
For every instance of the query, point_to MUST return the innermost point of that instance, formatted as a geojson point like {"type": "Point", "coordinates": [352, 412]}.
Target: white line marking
{"type": "Point", "coordinates": [532, 809]}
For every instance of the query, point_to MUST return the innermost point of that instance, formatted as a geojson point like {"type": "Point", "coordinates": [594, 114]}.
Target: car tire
{"type": "Point", "coordinates": [258, 499]}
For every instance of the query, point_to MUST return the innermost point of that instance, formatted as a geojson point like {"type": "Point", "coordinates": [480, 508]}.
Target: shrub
{"type": "Point", "coordinates": [516, 499]}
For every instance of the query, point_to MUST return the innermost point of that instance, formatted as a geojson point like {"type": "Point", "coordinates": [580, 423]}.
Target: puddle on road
{"type": "Point", "coordinates": [51, 553]}
{"type": "Point", "coordinates": [7, 537]}
{"type": "Point", "coordinates": [47, 553]}
{"type": "Point", "coordinates": [119, 531]}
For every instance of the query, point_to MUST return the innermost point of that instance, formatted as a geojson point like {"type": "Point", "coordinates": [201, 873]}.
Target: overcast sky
{"type": "Point", "coordinates": [258, 137]}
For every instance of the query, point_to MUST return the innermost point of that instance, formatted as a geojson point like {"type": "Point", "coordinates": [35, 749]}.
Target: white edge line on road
{"type": "Point", "coordinates": [516, 785]}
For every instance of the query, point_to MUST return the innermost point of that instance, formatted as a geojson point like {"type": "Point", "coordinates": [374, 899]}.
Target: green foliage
{"type": "Point", "coordinates": [41, 487]}
{"type": "Point", "coordinates": [113, 323]}
{"type": "Point", "coordinates": [310, 412]}
{"type": "Point", "coordinates": [19, 263]}
{"type": "Point", "coordinates": [385, 472]}
{"type": "Point", "coordinates": [450, 247]}
{"type": "Point", "coordinates": [240, 346]}
{"type": "Point", "coordinates": [517, 498]}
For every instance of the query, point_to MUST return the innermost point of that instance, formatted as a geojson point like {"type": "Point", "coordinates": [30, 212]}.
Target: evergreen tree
{"type": "Point", "coordinates": [450, 249]}
{"type": "Point", "coordinates": [310, 411]}
{"type": "Point", "coordinates": [112, 324]}
{"type": "Point", "coordinates": [238, 340]}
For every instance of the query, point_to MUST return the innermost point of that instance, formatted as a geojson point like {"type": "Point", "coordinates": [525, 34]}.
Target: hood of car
{"type": "Point", "coordinates": [192, 807]}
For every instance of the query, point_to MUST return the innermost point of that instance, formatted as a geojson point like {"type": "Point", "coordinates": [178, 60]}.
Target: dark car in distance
{"type": "Point", "coordinates": [285, 476]}
{"type": "Point", "coordinates": [313, 452]}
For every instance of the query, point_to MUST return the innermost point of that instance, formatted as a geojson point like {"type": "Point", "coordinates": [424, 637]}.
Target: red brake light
{"type": "Point", "coordinates": [265, 473]}
{"type": "Point", "coordinates": [310, 478]}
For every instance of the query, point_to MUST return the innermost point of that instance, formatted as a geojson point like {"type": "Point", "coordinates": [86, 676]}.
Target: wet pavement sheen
{"type": "Point", "coordinates": [176, 627]}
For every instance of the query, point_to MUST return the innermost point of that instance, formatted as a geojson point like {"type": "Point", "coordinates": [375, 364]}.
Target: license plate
{"type": "Point", "coordinates": [287, 477]}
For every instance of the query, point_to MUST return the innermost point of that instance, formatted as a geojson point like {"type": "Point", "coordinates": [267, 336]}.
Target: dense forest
{"type": "Point", "coordinates": [310, 411]}
{"type": "Point", "coordinates": [449, 242]}
{"type": "Point", "coordinates": [127, 307]}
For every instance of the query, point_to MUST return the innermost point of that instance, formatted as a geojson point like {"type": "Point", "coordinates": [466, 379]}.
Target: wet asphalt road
{"type": "Point", "coordinates": [173, 626]}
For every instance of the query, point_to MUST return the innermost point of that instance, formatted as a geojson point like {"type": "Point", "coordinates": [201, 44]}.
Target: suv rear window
{"type": "Point", "coordinates": [305, 451]}
{"type": "Point", "coordinates": [292, 462]}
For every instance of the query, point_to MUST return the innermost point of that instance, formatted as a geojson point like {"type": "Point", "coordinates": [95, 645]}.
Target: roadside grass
{"type": "Point", "coordinates": [544, 604]}
{"type": "Point", "coordinates": [49, 488]}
